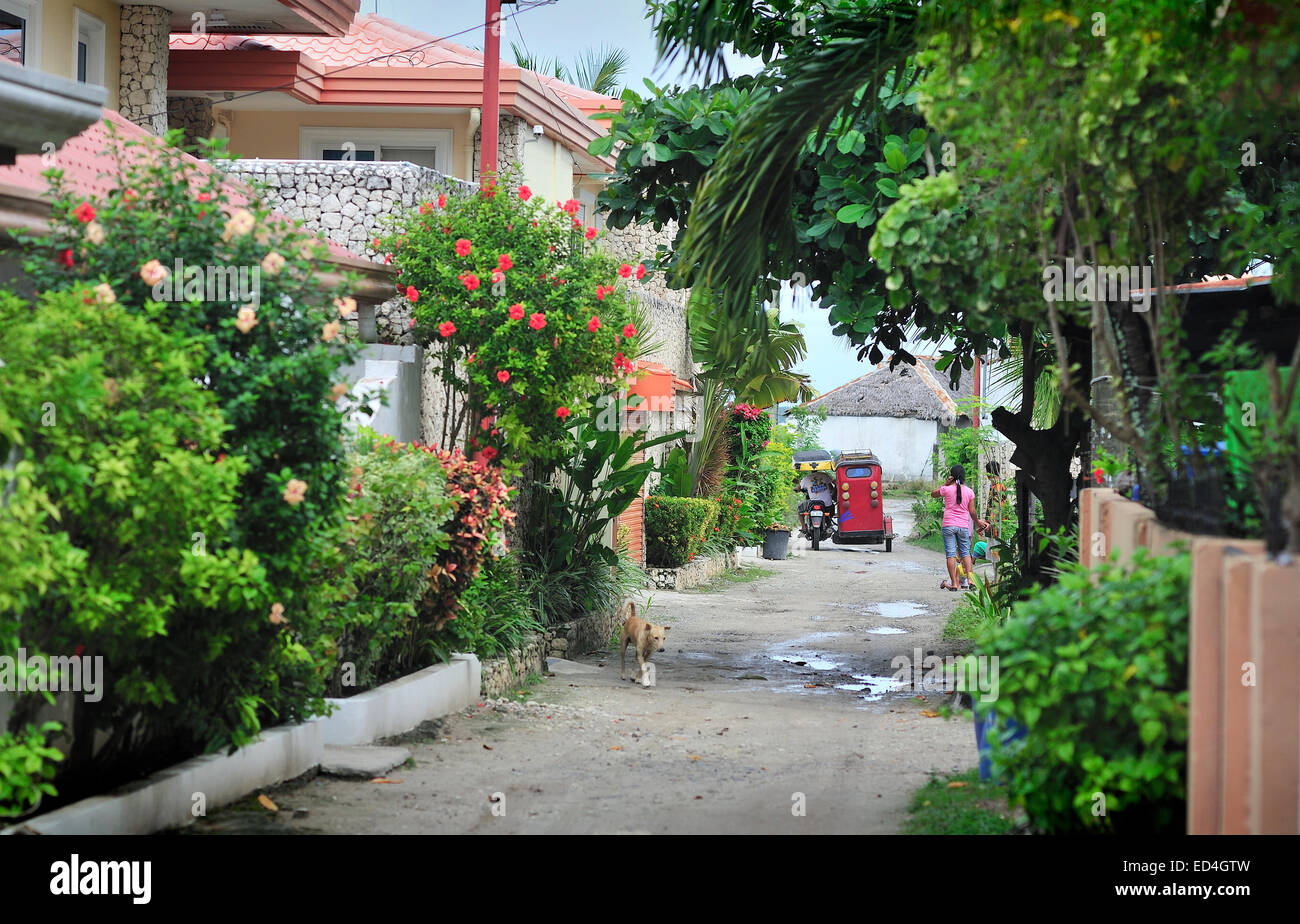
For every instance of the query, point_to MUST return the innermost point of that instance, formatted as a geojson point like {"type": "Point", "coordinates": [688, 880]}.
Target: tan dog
{"type": "Point", "coordinates": [646, 636]}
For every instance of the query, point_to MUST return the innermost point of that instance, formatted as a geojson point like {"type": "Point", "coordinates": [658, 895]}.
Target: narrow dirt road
{"type": "Point", "coordinates": [774, 711]}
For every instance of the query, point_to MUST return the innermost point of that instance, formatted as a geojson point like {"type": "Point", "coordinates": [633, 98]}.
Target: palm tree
{"type": "Point", "coordinates": [598, 69]}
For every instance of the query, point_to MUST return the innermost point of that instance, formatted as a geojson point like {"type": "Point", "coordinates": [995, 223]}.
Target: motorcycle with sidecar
{"type": "Point", "coordinates": [856, 515]}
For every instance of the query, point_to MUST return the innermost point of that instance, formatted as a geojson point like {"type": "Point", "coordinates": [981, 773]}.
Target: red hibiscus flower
{"type": "Point", "coordinates": [489, 453]}
{"type": "Point", "coordinates": [446, 329]}
{"type": "Point", "coordinates": [84, 212]}
{"type": "Point", "coordinates": [503, 376]}
{"type": "Point", "coordinates": [562, 412]}
{"type": "Point", "coordinates": [66, 257]}
{"type": "Point", "coordinates": [426, 208]}
{"type": "Point", "coordinates": [537, 320]}
{"type": "Point", "coordinates": [600, 292]}
{"type": "Point", "coordinates": [442, 201]}
{"type": "Point", "coordinates": [625, 271]}
{"type": "Point", "coordinates": [571, 206]}
{"type": "Point", "coordinates": [504, 262]}
{"type": "Point", "coordinates": [640, 270]}
{"type": "Point", "coordinates": [446, 230]}
{"type": "Point", "coordinates": [463, 247]}
{"type": "Point", "coordinates": [525, 193]}
{"type": "Point", "coordinates": [204, 197]}
{"type": "Point", "coordinates": [629, 330]}
{"type": "Point", "coordinates": [516, 312]}
{"type": "Point", "coordinates": [412, 294]}
{"type": "Point", "coordinates": [594, 324]}
{"type": "Point", "coordinates": [375, 243]}
{"type": "Point", "coordinates": [498, 276]}
{"type": "Point", "coordinates": [469, 280]}
{"type": "Point", "coordinates": [591, 234]}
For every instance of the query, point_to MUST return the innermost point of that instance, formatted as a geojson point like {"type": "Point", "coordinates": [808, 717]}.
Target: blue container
{"type": "Point", "coordinates": [986, 724]}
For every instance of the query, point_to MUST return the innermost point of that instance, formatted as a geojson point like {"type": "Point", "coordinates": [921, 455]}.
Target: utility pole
{"type": "Point", "coordinates": [493, 23]}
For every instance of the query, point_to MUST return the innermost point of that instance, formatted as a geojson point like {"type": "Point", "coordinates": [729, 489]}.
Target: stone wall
{"type": "Point", "coordinates": [347, 202]}
{"type": "Point", "coordinates": [512, 132]}
{"type": "Point", "coordinates": [567, 640]}
{"type": "Point", "coordinates": [192, 114]}
{"type": "Point", "coordinates": [702, 570]}
{"type": "Point", "coordinates": [142, 81]}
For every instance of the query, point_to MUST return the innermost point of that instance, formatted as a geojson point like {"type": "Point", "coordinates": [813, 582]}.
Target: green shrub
{"type": "Point", "coordinates": [496, 617]}
{"type": "Point", "coordinates": [676, 527]}
{"type": "Point", "coordinates": [397, 529]}
{"type": "Point", "coordinates": [927, 516]}
{"type": "Point", "coordinates": [125, 507]}
{"type": "Point", "coordinates": [26, 767]}
{"type": "Point", "coordinates": [1095, 667]}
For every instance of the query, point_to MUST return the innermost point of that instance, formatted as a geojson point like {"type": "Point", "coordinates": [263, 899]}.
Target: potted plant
{"type": "Point", "coordinates": [776, 541]}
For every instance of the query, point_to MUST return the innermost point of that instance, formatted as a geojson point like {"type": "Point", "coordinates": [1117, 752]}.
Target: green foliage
{"type": "Point", "coordinates": [773, 484]}
{"type": "Point", "coordinates": [397, 533]}
{"type": "Point", "coordinates": [496, 618]}
{"type": "Point", "coordinates": [962, 446]}
{"type": "Point", "coordinates": [675, 474]}
{"type": "Point", "coordinates": [123, 517]}
{"type": "Point", "coordinates": [1096, 668]}
{"type": "Point", "coordinates": [26, 767]}
{"type": "Point", "coordinates": [927, 517]}
{"type": "Point", "coordinates": [958, 804]}
{"type": "Point", "coordinates": [802, 428]}
{"type": "Point", "coordinates": [573, 324]}
{"type": "Point", "coordinates": [676, 527]}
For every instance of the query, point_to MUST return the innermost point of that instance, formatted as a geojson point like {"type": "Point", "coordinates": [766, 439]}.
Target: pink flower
{"type": "Point", "coordinates": [442, 201]}
{"type": "Point", "coordinates": [412, 294]}
{"type": "Point", "coordinates": [516, 312]}
{"type": "Point", "coordinates": [294, 492]}
{"type": "Point", "coordinates": [640, 270]}
{"type": "Point", "coordinates": [571, 206]}
{"type": "Point", "coordinates": [625, 271]}
{"type": "Point", "coordinates": [629, 330]}
{"type": "Point", "coordinates": [463, 247]}
{"type": "Point", "coordinates": [277, 612]}
{"type": "Point", "coordinates": [84, 212]}
{"type": "Point", "coordinates": [247, 319]}
{"type": "Point", "coordinates": [446, 329]}
{"type": "Point", "coordinates": [525, 193]}
{"type": "Point", "coordinates": [152, 273]}
{"type": "Point", "coordinates": [504, 262]}
{"type": "Point", "coordinates": [594, 324]}
{"type": "Point", "coordinates": [329, 331]}
{"type": "Point", "coordinates": [537, 321]}
{"type": "Point", "coordinates": [498, 276]}
{"type": "Point", "coordinates": [469, 281]}
{"type": "Point", "coordinates": [562, 412]}
{"type": "Point", "coordinates": [503, 376]}
{"type": "Point", "coordinates": [591, 234]}
{"type": "Point", "coordinates": [204, 197]}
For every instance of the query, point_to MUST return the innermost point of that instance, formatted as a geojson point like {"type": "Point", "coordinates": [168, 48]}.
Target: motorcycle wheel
{"type": "Point", "coordinates": [816, 540]}
{"type": "Point", "coordinates": [889, 545]}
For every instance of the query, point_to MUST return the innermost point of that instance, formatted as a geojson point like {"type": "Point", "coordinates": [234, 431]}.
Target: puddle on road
{"type": "Point", "coordinates": [900, 564]}
{"type": "Point", "coordinates": [886, 630]}
{"type": "Point", "coordinates": [872, 687]}
{"type": "Point", "coordinates": [806, 660]}
{"type": "Point", "coordinates": [898, 609]}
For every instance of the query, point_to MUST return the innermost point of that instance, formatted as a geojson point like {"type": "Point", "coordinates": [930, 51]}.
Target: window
{"type": "Point", "coordinates": [425, 147]}
{"type": "Point", "coordinates": [20, 31]}
{"type": "Point", "coordinates": [90, 49]}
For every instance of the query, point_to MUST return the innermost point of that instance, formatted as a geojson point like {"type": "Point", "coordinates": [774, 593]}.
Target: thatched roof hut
{"type": "Point", "coordinates": [919, 392]}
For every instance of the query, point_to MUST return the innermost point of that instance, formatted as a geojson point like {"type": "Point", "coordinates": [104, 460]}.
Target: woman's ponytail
{"type": "Point", "coordinates": [959, 476]}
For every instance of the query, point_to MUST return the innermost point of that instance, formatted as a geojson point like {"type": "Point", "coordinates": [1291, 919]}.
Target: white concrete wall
{"type": "Point", "coordinates": [904, 446]}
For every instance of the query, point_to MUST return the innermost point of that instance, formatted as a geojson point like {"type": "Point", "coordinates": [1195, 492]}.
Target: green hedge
{"type": "Point", "coordinates": [675, 528]}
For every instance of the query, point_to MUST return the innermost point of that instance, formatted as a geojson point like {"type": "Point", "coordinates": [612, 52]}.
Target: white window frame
{"type": "Point", "coordinates": [94, 33]}
{"type": "Point", "coordinates": [29, 10]}
{"type": "Point", "coordinates": [313, 140]}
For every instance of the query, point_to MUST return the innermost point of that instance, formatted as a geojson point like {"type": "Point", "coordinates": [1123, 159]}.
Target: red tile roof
{"type": "Point", "coordinates": [89, 166]}
{"type": "Point", "coordinates": [372, 64]}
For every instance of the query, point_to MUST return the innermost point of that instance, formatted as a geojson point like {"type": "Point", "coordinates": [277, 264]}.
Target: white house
{"type": "Point", "coordinates": [896, 414]}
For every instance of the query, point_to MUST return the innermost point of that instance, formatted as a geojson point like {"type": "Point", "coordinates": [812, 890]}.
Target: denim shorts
{"type": "Point", "coordinates": [956, 541]}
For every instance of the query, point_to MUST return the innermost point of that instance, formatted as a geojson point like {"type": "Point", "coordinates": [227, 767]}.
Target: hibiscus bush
{"type": "Point", "coordinates": [244, 322]}
{"type": "Point", "coordinates": [118, 517]}
{"type": "Point", "coordinates": [528, 316]}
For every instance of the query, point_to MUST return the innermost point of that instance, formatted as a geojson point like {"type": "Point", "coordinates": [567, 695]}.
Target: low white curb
{"type": "Point", "coordinates": [166, 799]}
{"type": "Point", "coordinates": [403, 704]}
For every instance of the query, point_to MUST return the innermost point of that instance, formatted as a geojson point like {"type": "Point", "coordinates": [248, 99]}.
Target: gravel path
{"type": "Point", "coordinates": [774, 695]}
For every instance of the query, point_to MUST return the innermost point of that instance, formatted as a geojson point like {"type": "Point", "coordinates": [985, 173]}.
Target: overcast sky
{"type": "Point", "coordinates": [563, 29]}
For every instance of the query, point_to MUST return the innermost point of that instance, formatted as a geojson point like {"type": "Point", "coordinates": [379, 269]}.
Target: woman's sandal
{"type": "Point", "coordinates": [944, 585]}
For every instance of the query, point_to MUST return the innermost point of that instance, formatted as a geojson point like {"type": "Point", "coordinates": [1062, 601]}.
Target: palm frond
{"type": "Point", "coordinates": [744, 204]}
{"type": "Point", "coordinates": [601, 69]}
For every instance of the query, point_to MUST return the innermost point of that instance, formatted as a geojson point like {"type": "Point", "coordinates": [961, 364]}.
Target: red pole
{"type": "Point", "coordinates": [491, 90]}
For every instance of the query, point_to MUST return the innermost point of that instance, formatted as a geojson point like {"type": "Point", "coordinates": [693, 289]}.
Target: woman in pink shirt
{"type": "Point", "coordinates": [958, 515]}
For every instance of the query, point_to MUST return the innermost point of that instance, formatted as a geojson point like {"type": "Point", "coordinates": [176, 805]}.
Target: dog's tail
{"type": "Point", "coordinates": [629, 611]}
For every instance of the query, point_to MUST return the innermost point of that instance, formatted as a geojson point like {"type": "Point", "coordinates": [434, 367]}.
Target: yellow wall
{"type": "Point", "coordinates": [59, 39]}
{"type": "Point", "coordinates": [274, 134]}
